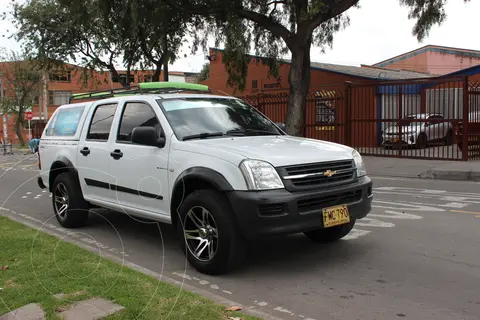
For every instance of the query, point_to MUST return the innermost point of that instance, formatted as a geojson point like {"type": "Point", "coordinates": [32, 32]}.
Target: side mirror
{"type": "Point", "coordinates": [281, 125]}
{"type": "Point", "coordinates": [147, 136]}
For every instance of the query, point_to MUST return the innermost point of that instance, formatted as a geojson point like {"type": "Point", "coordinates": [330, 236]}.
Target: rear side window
{"type": "Point", "coordinates": [65, 123]}
{"type": "Point", "coordinates": [136, 114]}
{"type": "Point", "coordinates": [101, 122]}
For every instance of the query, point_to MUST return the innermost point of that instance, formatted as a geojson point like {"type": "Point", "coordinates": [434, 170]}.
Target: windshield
{"type": "Point", "coordinates": [215, 117]}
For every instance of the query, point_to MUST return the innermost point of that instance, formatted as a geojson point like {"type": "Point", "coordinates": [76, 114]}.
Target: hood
{"type": "Point", "coordinates": [278, 150]}
{"type": "Point", "coordinates": [405, 129]}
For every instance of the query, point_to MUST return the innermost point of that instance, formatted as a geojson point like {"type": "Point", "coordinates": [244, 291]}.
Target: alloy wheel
{"type": "Point", "coordinates": [201, 233]}
{"type": "Point", "coordinates": [61, 199]}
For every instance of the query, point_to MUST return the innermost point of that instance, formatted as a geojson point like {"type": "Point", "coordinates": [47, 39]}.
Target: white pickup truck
{"type": "Point", "coordinates": [213, 166]}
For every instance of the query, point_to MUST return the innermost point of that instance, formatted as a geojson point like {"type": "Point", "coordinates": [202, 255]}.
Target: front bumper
{"type": "Point", "coordinates": [272, 212]}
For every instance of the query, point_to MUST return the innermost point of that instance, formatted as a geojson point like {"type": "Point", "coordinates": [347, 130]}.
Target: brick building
{"type": "Point", "coordinates": [62, 83]}
{"type": "Point", "coordinates": [374, 101]}
{"type": "Point", "coordinates": [436, 60]}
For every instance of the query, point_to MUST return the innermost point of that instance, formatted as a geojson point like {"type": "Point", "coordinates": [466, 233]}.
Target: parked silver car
{"type": "Point", "coordinates": [419, 130]}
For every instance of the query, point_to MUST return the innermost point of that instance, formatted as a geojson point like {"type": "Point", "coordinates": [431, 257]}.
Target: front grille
{"type": "Point", "coordinates": [271, 210]}
{"type": "Point", "coordinates": [328, 201]}
{"type": "Point", "coordinates": [310, 176]}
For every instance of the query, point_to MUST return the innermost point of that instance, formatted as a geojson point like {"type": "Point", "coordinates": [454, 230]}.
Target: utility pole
{"type": "Point", "coordinates": [4, 116]}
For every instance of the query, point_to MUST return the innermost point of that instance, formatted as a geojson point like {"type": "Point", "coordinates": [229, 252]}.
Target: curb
{"type": "Point", "coordinates": [452, 175]}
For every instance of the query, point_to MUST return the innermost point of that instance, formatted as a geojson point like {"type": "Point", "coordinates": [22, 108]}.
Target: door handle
{"type": "Point", "coordinates": [116, 154]}
{"type": "Point", "coordinates": [85, 151]}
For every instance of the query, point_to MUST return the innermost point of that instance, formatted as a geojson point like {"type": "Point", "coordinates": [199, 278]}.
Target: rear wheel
{"type": "Point", "coordinates": [70, 209]}
{"type": "Point", "coordinates": [422, 141]}
{"type": "Point", "coordinates": [449, 138]}
{"type": "Point", "coordinates": [208, 233]}
{"type": "Point", "coordinates": [330, 234]}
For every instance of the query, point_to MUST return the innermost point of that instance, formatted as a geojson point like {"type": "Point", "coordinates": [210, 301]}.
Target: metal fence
{"type": "Point", "coordinates": [406, 119]}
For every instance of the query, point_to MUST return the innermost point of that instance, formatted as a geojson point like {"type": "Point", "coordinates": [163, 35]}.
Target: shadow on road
{"type": "Point", "coordinates": [284, 254]}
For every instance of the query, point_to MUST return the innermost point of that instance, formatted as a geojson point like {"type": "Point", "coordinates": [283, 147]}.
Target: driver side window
{"type": "Point", "coordinates": [136, 114]}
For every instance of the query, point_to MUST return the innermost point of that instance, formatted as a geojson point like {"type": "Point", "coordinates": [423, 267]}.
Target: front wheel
{"type": "Point", "coordinates": [71, 210]}
{"type": "Point", "coordinates": [330, 234]}
{"type": "Point", "coordinates": [208, 233]}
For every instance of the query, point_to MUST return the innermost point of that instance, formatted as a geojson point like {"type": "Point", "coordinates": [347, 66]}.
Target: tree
{"type": "Point", "coordinates": [276, 27]}
{"type": "Point", "coordinates": [153, 31]}
{"type": "Point", "coordinates": [63, 30]}
{"type": "Point", "coordinates": [103, 33]}
{"type": "Point", "coordinates": [204, 73]}
{"type": "Point", "coordinates": [21, 80]}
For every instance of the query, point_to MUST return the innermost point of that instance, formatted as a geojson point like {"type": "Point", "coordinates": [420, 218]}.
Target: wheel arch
{"type": "Point", "coordinates": [195, 178]}
{"type": "Point", "coordinates": [61, 165]}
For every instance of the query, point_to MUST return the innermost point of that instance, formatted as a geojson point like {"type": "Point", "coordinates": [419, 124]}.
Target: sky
{"type": "Point", "coordinates": [379, 29]}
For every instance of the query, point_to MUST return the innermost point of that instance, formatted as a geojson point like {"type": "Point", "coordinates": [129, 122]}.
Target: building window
{"type": "Point", "coordinates": [57, 98]}
{"type": "Point", "coordinates": [60, 76]}
{"type": "Point", "coordinates": [122, 78]}
{"type": "Point", "coordinates": [147, 78]}
{"type": "Point", "coordinates": [254, 84]}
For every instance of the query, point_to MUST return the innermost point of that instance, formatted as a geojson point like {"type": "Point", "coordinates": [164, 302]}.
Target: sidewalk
{"type": "Point", "coordinates": [424, 169]}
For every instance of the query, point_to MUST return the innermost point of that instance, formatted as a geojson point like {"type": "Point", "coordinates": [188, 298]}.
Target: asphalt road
{"type": "Point", "coordinates": [414, 257]}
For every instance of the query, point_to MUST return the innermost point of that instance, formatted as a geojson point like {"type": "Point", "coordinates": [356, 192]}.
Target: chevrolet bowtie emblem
{"type": "Point", "coordinates": [329, 173]}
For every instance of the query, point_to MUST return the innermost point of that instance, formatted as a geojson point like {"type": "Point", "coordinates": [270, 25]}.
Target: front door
{"type": "Point", "coordinates": [140, 172]}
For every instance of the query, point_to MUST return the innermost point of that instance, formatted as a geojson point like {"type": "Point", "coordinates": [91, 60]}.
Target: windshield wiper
{"type": "Point", "coordinates": [244, 131]}
{"type": "Point", "coordinates": [203, 135]}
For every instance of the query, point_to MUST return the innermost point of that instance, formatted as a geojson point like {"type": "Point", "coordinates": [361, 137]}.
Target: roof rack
{"type": "Point", "coordinates": [142, 88]}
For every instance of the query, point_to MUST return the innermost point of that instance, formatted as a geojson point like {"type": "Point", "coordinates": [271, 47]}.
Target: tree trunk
{"type": "Point", "coordinates": [166, 59]}
{"type": "Point", "coordinates": [299, 81]}
{"type": "Point", "coordinates": [18, 128]}
{"type": "Point", "coordinates": [165, 70]}
{"type": "Point", "coordinates": [158, 68]}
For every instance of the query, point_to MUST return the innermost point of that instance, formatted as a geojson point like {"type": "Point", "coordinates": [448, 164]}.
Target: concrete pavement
{"type": "Point", "coordinates": [415, 256]}
{"type": "Point", "coordinates": [424, 169]}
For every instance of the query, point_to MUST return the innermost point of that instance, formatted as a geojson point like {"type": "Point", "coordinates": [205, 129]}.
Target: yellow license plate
{"type": "Point", "coordinates": [394, 140]}
{"type": "Point", "coordinates": [335, 216]}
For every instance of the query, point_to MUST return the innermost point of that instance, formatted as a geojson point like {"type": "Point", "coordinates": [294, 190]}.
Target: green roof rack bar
{"type": "Point", "coordinates": [172, 85]}
{"type": "Point", "coordinates": [144, 87]}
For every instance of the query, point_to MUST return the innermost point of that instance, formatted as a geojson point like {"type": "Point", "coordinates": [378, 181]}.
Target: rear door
{"type": "Point", "coordinates": [93, 152]}
{"type": "Point", "coordinates": [139, 171]}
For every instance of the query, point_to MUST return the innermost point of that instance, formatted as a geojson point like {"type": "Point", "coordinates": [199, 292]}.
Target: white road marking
{"type": "Point", "coordinates": [369, 222]}
{"type": "Point", "coordinates": [280, 309]}
{"type": "Point", "coordinates": [227, 292]}
{"type": "Point", "coordinates": [29, 192]}
{"type": "Point", "coordinates": [203, 282]}
{"type": "Point", "coordinates": [396, 215]}
{"type": "Point", "coordinates": [457, 205]}
{"type": "Point", "coordinates": [24, 197]}
{"type": "Point", "coordinates": [182, 275]}
{"type": "Point", "coordinates": [214, 286]}
{"type": "Point", "coordinates": [356, 233]}
{"type": "Point", "coordinates": [398, 205]}
{"type": "Point", "coordinates": [262, 303]}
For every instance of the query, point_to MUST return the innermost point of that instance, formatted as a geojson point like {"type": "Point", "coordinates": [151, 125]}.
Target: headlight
{"type": "Point", "coordinates": [359, 164]}
{"type": "Point", "coordinates": [260, 175]}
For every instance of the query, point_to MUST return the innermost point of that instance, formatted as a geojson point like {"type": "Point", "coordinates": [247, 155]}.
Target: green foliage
{"type": "Point", "coordinates": [21, 79]}
{"type": "Point", "coordinates": [426, 13]}
{"type": "Point", "coordinates": [204, 73]}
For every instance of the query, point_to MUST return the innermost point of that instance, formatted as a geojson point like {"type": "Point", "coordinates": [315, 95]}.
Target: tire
{"type": "Point", "coordinates": [227, 244]}
{"type": "Point", "coordinates": [449, 138]}
{"type": "Point", "coordinates": [422, 141]}
{"type": "Point", "coordinates": [76, 213]}
{"type": "Point", "coordinates": [331, 234]}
